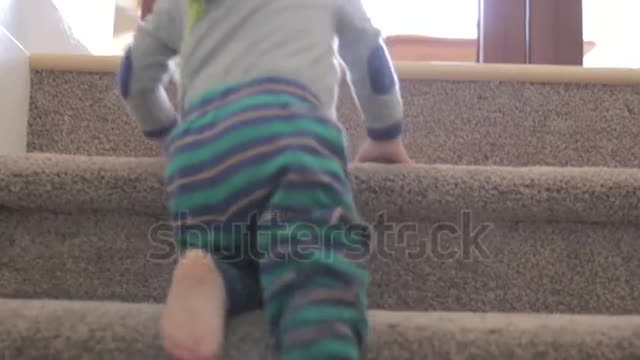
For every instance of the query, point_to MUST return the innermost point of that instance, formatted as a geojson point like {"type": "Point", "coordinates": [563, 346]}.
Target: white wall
{"type": "Point", "coordinates": [90, 21]}
{"type": "Point", "coordinates": [126, 21]}
{"type": "Point", "coordinates": [60, 26]}
{"type": "Point", "coordinates": [14, 95]}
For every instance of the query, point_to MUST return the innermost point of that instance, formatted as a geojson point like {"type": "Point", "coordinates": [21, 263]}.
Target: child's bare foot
{"type": "Point", "coordinates": [194, 315]}
{"type": "Point", "coordinates": [392, 152]}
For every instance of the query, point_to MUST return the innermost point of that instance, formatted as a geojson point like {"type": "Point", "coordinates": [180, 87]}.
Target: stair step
{"type": "Point", "coordinates": [462, 122]}
{"type": "Point", "coordinates": [66, 330]}
{"type": "Point", "coordinates": [558, 239]}
{"type": "Point", "coordinates": [68, 183]}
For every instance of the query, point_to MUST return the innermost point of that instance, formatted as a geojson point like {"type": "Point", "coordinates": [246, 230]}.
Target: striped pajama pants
{"type": "Point", "coordinates": [258, 177]}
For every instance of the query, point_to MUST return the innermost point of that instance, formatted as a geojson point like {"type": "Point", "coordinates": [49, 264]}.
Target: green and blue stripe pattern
{"type": "Point", "coordinates": [256, 174]}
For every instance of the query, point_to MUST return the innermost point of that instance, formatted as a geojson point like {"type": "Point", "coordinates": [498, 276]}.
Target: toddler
{"type": "Point", "coordinates": [256, 173]}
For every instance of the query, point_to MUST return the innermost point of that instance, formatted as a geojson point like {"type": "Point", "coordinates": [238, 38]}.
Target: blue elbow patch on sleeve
{"type": "Point", "coordinates": [124, 76]}
{"type": "Point", "coordinates": [381, 72]}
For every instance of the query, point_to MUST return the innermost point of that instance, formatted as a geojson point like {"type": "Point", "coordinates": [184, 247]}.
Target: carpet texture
{"type": "Point", "coordinates": [523, 246]}
{"type": "Point", "coordinates": [109, 330]}
{"type": "Point", "coordinates": [455, 238]}
{"type": "Point", "coordinates": [448, 122]}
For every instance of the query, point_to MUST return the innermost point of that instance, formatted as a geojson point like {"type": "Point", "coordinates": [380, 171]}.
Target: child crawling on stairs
{"type": "Point", "coordinates": [256, 173]}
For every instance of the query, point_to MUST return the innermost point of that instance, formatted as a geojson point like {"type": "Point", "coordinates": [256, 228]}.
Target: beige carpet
{"type": "Point", "coordinates": [448, 122]}
{"type": "Point", "coordinates": [548, 240]}
{"type": "Point", "coordinates": [66, 330]}
{"type": "Point", "coordinates": [523, 246]}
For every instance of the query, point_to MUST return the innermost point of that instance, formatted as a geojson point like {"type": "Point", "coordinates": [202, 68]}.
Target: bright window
{"type": "Point", "coordinates": [438, 18]}
{"type": "Point", "coordinates": [612, 24]}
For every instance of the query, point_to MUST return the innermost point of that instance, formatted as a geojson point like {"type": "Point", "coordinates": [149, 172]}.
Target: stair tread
{"type": "Point", "coordinates": [64, 329]}
{"type": "Point", "coordinates": [86, 228]}
{"type": "Point", "coordinates": [582, 195]}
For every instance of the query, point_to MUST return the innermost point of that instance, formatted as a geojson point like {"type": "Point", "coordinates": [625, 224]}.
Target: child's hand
{"type": "Point", "coordinates": [390, 152]}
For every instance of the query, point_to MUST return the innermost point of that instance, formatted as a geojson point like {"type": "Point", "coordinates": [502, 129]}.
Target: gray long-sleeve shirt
{"type": "Point", "coordinates": [222, 42]}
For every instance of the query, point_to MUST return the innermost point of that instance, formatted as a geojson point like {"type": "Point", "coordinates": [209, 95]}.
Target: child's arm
{"type": "Point", "coordinates": [370, 72]}
{"type": "Point", "coordinates": [145, 69]}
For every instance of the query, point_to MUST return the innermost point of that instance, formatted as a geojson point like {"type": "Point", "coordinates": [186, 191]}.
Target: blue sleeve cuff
{"type": "Point", "coordinates": [161, 132]}
{"type": "Point", "coordinates": [124, 75]}
{"type": "Point", "coordinates": [390, 132]}
{"type": "Point", "coordinates": [381, 72]}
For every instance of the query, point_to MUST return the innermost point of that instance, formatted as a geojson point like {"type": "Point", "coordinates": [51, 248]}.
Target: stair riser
{"type": "Point", "coordinates": [472, 123]}
{"type": "Point", "coordinates": [538, 267]}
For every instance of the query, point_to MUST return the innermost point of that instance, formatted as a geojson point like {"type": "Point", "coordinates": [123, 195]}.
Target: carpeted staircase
{"type": "Point", "coordinates": [517, 237]}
